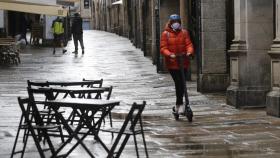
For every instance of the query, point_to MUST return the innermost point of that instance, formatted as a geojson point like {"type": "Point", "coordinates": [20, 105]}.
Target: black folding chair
{"type": "Point", "coordinates": [128, 128]}
{"type": "Point", "coordinates": [84, 83]}
{"type": "Point", "coordinates": [30, 113]}
{"type": "Point", "coordinates": [32, 84]}
{"type": "Point", "coordinates": [37, 97]}
{"type": "Point", "coordinates": [46, 113]}
{"type": "Point", "coordinates": [106, 95]}
{"type": "Point", "coordinates": [96, 83]}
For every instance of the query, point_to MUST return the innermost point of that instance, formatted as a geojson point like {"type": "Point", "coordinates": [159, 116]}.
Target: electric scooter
{"type": "Point", "coordinates": [188, 111]}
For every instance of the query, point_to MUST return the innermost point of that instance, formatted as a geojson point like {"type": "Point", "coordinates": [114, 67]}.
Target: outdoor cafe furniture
{"type": "Point", "coordinates": [72, 89]}
{"type": "Point", "coordinates": [36, 34]}
{"type": "Point", "coordinates": [9, 54]}
{"type": "Point", "coordinates": [87, 80]}
{"type": "Point", "coordinates": [91, 83]}
{"type": "Point", "coordinates": [93, 105]}
{"type": "Point", "coordinates": [81, 92]}
{"type": "Point", "coordinates": [127, 129]}
{"type": "Point", "coordinates": [86, 83]}
{"type": "Point", "coordinates": [89, 126]}
{"type": "Point", "coordinates": [81, 104]}
{"type": "Point", "coordinates": [31, 121]}
{"type": "Point", "coordinates": [37, 96]}
{"type": "Point", "coordinates": [76, 89]}
{"type": "Point", "coordinates": [45, 116]}
{"type": "Point", "coordinates": [75, 92]}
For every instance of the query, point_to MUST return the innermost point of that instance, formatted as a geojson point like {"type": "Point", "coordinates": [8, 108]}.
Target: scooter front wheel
{"type": "Point", "coordinates": [189, 114]}
{"type": "Point", "coordinates": [175, 114]}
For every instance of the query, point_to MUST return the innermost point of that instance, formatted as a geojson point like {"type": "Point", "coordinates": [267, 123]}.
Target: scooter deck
{"type": "Point", "coordinates": [188, 113]}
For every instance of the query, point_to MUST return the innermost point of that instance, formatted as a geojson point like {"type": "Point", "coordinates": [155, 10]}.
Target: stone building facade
{"type": "Point", "coordinates": [273, 97]}
{"type": "Point", "coordinates": [237, 42]}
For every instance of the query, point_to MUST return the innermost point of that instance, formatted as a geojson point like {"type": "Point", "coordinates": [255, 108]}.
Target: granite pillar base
{"type": "Point", "coordinates": [212, 82]}
{"type": "Point", "coordinates": [273, 103]}
{"type": "Point", "coordinates": [246, 97]}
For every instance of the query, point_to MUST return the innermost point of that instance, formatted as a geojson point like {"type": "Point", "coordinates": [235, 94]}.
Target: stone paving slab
{"type": "Point", "coordinates": [218, 130]}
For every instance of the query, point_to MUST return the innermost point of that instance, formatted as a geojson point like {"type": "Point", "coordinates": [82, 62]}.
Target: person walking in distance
{"type": "Point", "coordinates": [23, 28]}
{"type": "Point", "coordinates": [77, 31]}
{"type": "Point", "coordinates": [58, 34]}
{"type": "Point", "coordinates": [176, 42]}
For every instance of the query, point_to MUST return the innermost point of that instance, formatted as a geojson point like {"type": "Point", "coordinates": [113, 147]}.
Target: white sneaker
{"type": "Point", "coordinates": [176, 108]}
{"type": "Point", "coordinates": [181, 109]}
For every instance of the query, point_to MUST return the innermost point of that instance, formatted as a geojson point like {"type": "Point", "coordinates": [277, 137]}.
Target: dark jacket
{"type": "Point", "coordinates": [23, 25]}
{"type": "Point", "coordinates": [77, 25]}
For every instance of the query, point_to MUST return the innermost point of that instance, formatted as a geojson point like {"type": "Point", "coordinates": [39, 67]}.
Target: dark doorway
{"type": "Point", "coordinates": [145, 8]}
{"type": "Point", "coordinates": [194, 27]}
{"type": "Point", "coordinates": [19, 22]}
{"type": "Point", "coordinates": [230, 28]}
{"type": "Point", "coordinates": [129, 15]}
{"type": "Point", "coordinates": [13, 23]}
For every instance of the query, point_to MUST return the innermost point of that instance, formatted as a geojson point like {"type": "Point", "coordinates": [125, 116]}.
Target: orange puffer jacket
{"type": "Point", "coordinates": [178, 42]}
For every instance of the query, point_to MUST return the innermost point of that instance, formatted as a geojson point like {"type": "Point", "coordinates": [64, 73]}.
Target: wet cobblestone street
{"type": "Point", "coordinates": [218, 130]}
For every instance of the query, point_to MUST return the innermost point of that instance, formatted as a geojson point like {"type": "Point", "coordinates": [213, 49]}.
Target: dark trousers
{"type": "Point", "coordinates": [78, 37]}
{"type": "Point", "coordinates": [179, 85]}
{"type": "Point", "coordinates": [57, 41]}
{"type": "Point", "coordinates": [23, 36]}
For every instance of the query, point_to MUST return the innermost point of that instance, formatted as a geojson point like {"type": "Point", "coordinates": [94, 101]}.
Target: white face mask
{"type": "Point", "coordinates": [176, 26]}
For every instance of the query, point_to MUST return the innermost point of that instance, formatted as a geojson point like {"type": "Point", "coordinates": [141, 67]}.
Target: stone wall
{"type": "Point", "coordinates": [247, 66]}
{"type": "Point", "coordinates": [250, 63]}
{"type": "Point", "coordinates": [1, 19]}
{"type": "Point", "coordinates": [273, 97]}
{"type": "Point", "coordinates": [213, 75]}
{"type": "Point", "coordinates": [149, 28]}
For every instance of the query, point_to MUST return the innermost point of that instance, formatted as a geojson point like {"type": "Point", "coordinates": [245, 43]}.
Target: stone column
{"type": "Point", "coordinates": [2, 22]}
{"type": "Point", "coordinates": [213, 71]}
{"type": "Point", "coordinates": [273, 97]}
{"type": "Point", "coordinates": [1, 19]}
{"type": "Point", "coordinates": [249, 62]}
{"type": "Point", "coordinates": [183, 13]}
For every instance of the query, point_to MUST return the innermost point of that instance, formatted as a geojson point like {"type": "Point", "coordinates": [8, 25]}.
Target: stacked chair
{"type": "Point", "coordinates": [9, 52]}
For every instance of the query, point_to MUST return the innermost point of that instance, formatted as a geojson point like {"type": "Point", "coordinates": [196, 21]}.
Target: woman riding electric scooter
{"type": "Point", "coordinates": [176, 46]}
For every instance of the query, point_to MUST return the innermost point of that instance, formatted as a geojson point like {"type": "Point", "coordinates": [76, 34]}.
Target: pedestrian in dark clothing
{"type": "Point", "coordinates": [23, 27]}
{"type": "Point", "coordinates": [77, 31]}
{"type": "Point", "coordinates": [58, 34]}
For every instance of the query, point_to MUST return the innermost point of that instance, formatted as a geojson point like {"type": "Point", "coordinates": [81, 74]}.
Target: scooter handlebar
{"type": "Point", "coordinates": [190, 56]}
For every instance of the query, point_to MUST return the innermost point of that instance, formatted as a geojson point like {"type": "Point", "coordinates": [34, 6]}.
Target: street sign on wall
{"type": "Point", "coordinates": [86, 4]}
{"type": "Point", "coordinates": [85, 9]}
